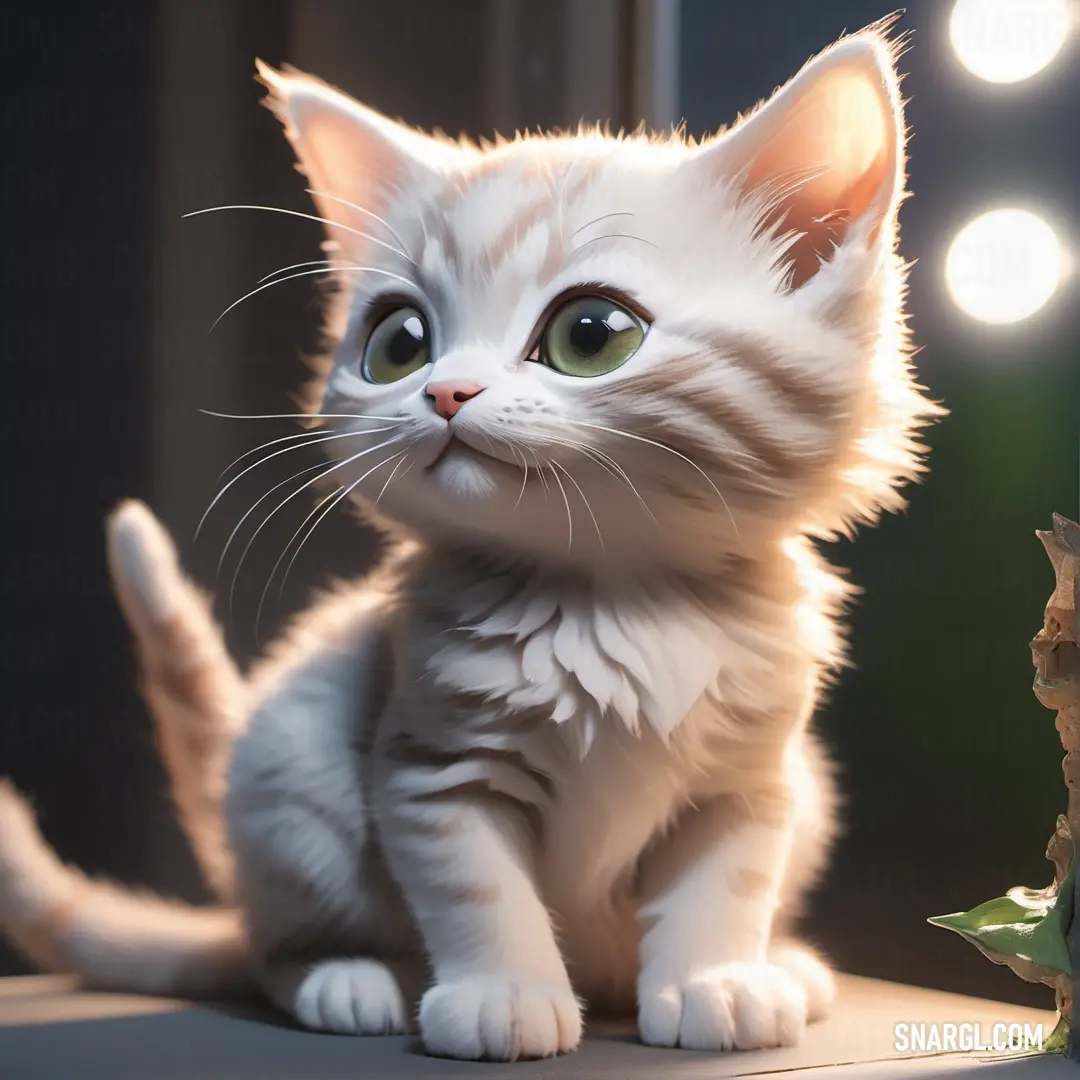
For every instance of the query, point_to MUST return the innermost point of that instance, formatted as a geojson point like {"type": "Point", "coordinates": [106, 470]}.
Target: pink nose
{"type": "Point", "coordinates": [450, 396]}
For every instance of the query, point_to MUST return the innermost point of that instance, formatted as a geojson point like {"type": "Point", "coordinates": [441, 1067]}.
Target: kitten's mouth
{"type": "Point", "coordinates": [453, 447]}
{"type": "Point", "coordinates": [456, 446]}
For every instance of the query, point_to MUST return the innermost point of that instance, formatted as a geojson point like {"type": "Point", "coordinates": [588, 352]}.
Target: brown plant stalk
{"type": "Point", "coordinates": [1055, 651]}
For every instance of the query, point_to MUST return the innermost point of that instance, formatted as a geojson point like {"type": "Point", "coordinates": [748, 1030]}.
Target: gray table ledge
{"type": "Point", "coordinates": [51, 1031]}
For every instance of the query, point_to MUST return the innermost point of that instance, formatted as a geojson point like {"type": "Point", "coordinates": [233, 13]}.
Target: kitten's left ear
{"type": "Point", "coordinates": [825, 155]}
{"type": "Point", "coordinates": [350, 153]}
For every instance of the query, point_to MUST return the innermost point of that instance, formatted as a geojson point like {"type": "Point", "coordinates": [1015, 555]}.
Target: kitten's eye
{"type": "Point", "coordinates": [590, 335]}
{"type": "Point", "coordinates": [399, 345]}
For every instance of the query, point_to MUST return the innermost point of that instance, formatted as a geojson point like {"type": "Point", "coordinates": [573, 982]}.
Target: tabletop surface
{"type": "Point", "coordinates": [49, 1029]}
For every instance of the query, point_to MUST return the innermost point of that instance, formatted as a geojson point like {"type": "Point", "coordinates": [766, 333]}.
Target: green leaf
{"type": "Point", "coordinates": [1030, 925]}
{"type": "Point", "coordinates": [1058, 1040]}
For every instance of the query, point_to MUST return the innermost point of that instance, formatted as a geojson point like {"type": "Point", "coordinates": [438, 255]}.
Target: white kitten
{"type": "Point", "coordinates": [556, 750]}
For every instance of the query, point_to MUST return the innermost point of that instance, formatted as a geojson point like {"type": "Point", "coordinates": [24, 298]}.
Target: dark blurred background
{"type": "Point", "coordinates": [117, 119]}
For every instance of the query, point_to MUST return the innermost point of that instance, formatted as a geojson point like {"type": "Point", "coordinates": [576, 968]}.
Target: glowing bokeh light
{"type": "Point", "coordinates": [1003, 266]}
{"type": "Point", "coordinates": [1004, 41]}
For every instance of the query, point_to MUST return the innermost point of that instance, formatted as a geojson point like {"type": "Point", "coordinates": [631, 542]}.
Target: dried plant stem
{"type": "Point", "coordinates": [1056, 656]}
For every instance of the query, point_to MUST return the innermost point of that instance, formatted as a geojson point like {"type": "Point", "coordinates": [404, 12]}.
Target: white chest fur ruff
{"type": "Point", "coordinates": [638, 657]}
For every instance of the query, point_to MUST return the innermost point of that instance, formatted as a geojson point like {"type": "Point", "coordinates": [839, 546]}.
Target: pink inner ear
{"type": "Point", "coordinates": [831, 155]}
{"type": "Point", "coordinates": [342, 158]}
{"type": "Point", "coordinates": [350, 153]}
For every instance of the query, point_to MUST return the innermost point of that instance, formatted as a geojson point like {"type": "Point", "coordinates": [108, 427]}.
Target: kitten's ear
{"type": "Point", "coordinates": [349, 153]}
{"type": "Point", "coordinates": [825, 153]}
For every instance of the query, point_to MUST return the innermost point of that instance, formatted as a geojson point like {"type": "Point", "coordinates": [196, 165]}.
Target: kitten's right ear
{"type": "Point", "coordinates": [350, 153]}
{"type": "Point", "coordinates": [826, 152]}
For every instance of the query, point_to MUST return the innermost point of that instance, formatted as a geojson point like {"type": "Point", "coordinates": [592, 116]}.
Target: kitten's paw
{"type": "Point", "coordinates": [734, 1007]}
{"type": "Point", "coordinates": [497, 1018]}
{"type": "Point", "coordinates": [351, 997]}
{"type": "Point", "coordinates": [811, 973]}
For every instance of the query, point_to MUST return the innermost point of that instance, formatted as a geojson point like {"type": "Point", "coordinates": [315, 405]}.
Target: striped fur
{"type": "Point", "coordinates": [557, 751]}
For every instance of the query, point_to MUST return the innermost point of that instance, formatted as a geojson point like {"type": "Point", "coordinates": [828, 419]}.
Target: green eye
{"type": "Point", "coordinates": [399, 345]}
{"type": "Point", "coordinates": [590, 335]}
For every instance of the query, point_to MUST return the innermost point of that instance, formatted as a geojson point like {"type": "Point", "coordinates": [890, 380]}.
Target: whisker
{"type": "Point", "coordinates": [295, 416]}
{"type": "Point", "coordinates": [602, 217]}
{"type": "Point", "coordinates": [569, 515]}
{"type": "Point", "coordinates": [289, 498]}
{"type": "Point", "coordinates": [305, 273]}
{"type": "Point", "coordinates": [612, 236]}
{"type": "Point", "coordinates": [296, 266]}
{"type": "Point", "coordinates": [300, 437]}
{"type": "Point", "coordinates": [524, 470]}
{"type": "Point", "coordinates": [487, 438]}
{"type": "Point", "coordinates": [540, 472]}
{"type": "Point", "coordinates": [582, 448]}
{"type": "Point", "coordinates": [259, 501]}
{"type": "Point", "coordinates": [382, 490]}
{"type": "Point", "coordinates": [661, 446]}
{"type": "Point", "coordinates": [307, 217]}
{"type": "Point", "coordinates": [363, 210]}
{"type": "Point", "coordinates": [311, 513]}
{"type": "Point", "coordinates": [518, 456]}
{"type": "Point", "coordinates": [609, 464]}
{"type": "Point", "coordinates": [577, 486]}
{"type": "Point", "coordinates": [341, 493]}
{"type": "Point", "coordinates": [276, 453]}
{"type": "Point", "coordinates": [524, 484]}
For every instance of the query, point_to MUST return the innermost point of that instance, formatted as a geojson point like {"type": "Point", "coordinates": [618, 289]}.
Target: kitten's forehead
{"type": "Point", "coordinates": [529, 218]}
{"type": "Point", "coordinates": [557, 185]}
{"type": "Point", "coordinates": [485, 214]}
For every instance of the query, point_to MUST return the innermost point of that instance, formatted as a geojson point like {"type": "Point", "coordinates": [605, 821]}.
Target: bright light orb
{"type": "Point", "coordinates": [1004, 41]}
{"type": "Point", "coordinates": [1003, 266]}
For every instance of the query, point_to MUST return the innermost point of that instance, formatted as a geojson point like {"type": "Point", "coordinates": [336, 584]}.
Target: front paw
{"type": "Point", "coordinates": [733, 1007]}
{"type": "Point", "coordinates": [351, 997]}
{"type": "Point", "coordinates": [498, 1018]}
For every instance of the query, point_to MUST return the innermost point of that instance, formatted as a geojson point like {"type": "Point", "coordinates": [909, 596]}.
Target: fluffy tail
{"type": "Point", "coordinates": [190, 683]}
{"type": "Point", "coordinates": [114, 939]}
